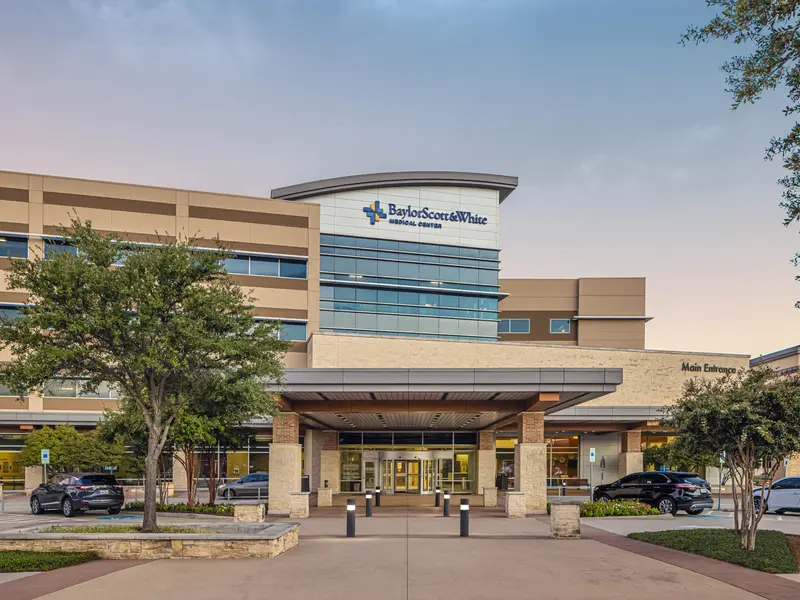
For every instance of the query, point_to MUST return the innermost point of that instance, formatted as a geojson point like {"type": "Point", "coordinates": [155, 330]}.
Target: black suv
{"type": "Point", "coordinates": [75, 492]}
{"type": "Point", "coordinates": [668, 491]}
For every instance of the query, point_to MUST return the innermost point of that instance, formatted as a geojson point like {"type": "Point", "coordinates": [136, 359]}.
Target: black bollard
{"type": "Point", "coordinates": [438, 501]}
{"type": "Point", "coordinates": [369, 504]}
{"type": "Point", "coordinates": [464, 517]}
{"type": "Point", "coordinates": [447, 504]}
{"type": "Point", "coordinates": [351, 518]}
{"type": "Point", "coordinates": [378, 497]}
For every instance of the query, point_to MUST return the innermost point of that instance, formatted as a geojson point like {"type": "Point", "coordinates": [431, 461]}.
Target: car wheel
{"type": "Point", "coordinates": [229, 494]}
{"type": "Point", "coordinates": [780, 511]}
{"type": "Point", "coordinates": [666, 505]}
{"type": "Point", "coordinates": [68, 508]}
{"type": "Point", "coordinates": [604, 498]}
{"type": "Point", "coordinates": [114, 511]}
{"type": "Point", "coordinates": [694, 511]}
{"type": "Point", "coordinates": [36, 507]}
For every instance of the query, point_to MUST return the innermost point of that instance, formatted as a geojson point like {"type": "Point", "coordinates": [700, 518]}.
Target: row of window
{"type": "Point", "coordinates": [377, 322]}
{"type": "Point", "coordinates": [408, 438]}
{"type": "Point", "coordinates": [239, 264]}
{"type": "Point", "coordinates": [407, 334]}
{"type": "Point", "coordinates": [524, 326]}
{"type": "Point", "coordinates": [430, 311]}
{"type": "Point", "coordinates": [388, 268]}
{"type": "Point", "coordinates": [13, 247]}
{"type": "Point", "coordinates": [290, 331]}
{"type": "Point", "coordinates": [419, 248]}
{"type": "Point", "coordinates": [242, 264]}
{"type": "Point", "coordinates": [408, 257]}
{"type": "Point", "coordinates": [418, 283]}
{"type": "Point", "coordinates": [389, 296]}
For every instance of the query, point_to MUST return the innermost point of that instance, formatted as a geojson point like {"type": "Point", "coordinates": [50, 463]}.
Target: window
{"type": "Point", "coordinates": [293, 268]}
{"type": "Point", "coordinates": [264, 266]}
{"type": "Point", "coordinates": [630, 480]}
{"type": "Point", "coordinates": [4, 391]}
{"type": "Point", "coordinates": [654, 478]}
{"type": "Point", "coordinates": [514, 326]}
{"type": "Point", "coordinates": [559, 325]}
{"type": "Point", "coordinates": [73, 388]}
{"type": "Point", "coordinates": [13, 247]}
{"type": "Point", "coordinates": [10, 311]}
{"type": "Point", "coordinates": [53, 247]}
{"type": "Point", "coordinates": [293, 332]}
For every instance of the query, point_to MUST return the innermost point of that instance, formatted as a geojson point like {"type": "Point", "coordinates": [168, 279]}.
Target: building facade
{"type": "Point", "coordinates": [414, 364]}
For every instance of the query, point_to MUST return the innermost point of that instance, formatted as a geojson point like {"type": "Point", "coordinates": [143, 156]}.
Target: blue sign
{"type": "Point", "coordinates": [45, 456]}
{"type": "Point", "coordinates": [421, 217]}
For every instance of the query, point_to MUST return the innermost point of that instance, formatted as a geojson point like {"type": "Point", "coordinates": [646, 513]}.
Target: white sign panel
{"type": "Point", "coordinates": [434, 215]}
{"type": "Point", "coordinates": [45, 456]}
{"type": "Point", "coordinates": [591, 455]}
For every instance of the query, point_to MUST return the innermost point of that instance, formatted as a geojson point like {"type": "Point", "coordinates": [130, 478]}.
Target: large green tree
{"type": "Point", "coordinates": [148, 319]}
{"type": "Point", "coordinates": [769, 30]}
{"type": "Point", "coordinates": [70, 450]}
{"type": "Point", "coordinates": [754, 418]}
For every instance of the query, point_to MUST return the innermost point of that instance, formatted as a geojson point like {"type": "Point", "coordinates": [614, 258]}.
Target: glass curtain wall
{"type": "Point", "coordinates": [408, 288]}
{"type": "Point", "coordinates": [563, 461]}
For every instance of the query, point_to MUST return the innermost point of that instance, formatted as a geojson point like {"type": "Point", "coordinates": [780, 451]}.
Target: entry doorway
{"type": "Point", "coordinates": [407, 477]}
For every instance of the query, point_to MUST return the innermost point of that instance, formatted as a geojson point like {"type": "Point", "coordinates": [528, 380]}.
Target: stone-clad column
{"type": "Point", "coordinates": [330, 461]}
{"type": "Point", "coordinates": [285, 467]}
{"type": "Point", "coordinates": [530, 461]}
{"type": "Point", "coordinates": [487, 461]}
{"type": "Point", "coordinates": [631, 459]}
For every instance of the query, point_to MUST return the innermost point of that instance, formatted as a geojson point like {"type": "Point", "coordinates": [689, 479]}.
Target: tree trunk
{"type": "Point", "coordinates": [191, 482]}
{"type": "Point", "coordinates": [149, 523]}
{"type": "Point", "coordinates": [212, 476]}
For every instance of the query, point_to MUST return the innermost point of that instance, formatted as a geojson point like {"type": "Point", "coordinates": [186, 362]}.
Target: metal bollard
{"type": "Point", "coordinates": [2, 499]}
{"type": "Point", "coordinates": [447, 504]}
{"type": "Point", "coordinates": [378, 497]}
{"type": "Point", "coordinates": [438, 500]}
{"type": "Point", "coordinates": [464, 517]}
{"type": "Point", "coordinates": [369, 503]}
{"type": "Point", "coordinates": [351, 518]}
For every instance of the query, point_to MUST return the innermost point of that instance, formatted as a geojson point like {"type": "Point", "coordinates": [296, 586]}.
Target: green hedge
{"type": "Point", "coordinates": [618, 508]}
{"type": "Point", "coordinates": [773, 553]}
{"type": "Point", "coordinates": [180, 507]}
{"type": "Point", "coordinates": [16, 561]}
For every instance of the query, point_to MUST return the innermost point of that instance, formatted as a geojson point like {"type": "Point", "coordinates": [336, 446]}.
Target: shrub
{"type": "Point", "coordinates": [617, 508]}
{"type": "Point", "coordinates": [16, 561]}
{"type": "Point", "coordinates": [203, 509]}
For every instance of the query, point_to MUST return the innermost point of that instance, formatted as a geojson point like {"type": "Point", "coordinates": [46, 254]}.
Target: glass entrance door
{"type": "Point", "coordinates": [400, 476]}
{"type": "Point", "coordinates": [413, 477]}
{"type": "Point", "coordinates": [388, 482]}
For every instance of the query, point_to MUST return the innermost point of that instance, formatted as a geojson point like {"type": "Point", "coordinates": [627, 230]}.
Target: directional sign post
{"type": "Point", "coordinates": [592, 457]}
{"type": "Point", "coordinates": [719, 480]}
{"type": "Point", "coordinates": [45, 461]}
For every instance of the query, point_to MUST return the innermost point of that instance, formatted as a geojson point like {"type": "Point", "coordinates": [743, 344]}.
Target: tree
{"type": "Point", "coordinates": [754, 417]}
{"type": "Point", "coordinates": [70, 450]}
{"type": "Point", "coordinates": [771, 28]}
{"type": "Point", "coordinates": [147, 319]}
{"type": "Point", "coordinates": [677, 454]}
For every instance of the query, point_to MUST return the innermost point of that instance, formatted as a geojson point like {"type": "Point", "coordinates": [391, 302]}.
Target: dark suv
{"type": "Point", "coordinates": [75, 492]}
{"type": "Point", "coordinates": [668, 491]}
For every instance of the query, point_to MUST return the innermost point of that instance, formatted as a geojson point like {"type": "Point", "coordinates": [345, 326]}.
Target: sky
{"type": "Point", "coordinates": [629, 157]}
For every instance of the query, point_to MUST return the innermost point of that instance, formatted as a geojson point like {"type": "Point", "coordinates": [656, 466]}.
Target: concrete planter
{"type": "Point", "coordinates": [640, 518]}
{"type": "Point", "coordinates": [242, 540]}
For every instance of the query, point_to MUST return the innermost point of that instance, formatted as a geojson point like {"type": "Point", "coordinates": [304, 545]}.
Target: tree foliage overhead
{"type": "Point", "coordinates": [770, 30]}
{"type": "Point", "coordinates": [754, 418]}
{"type": "Point", "coordinates": [148, 319]}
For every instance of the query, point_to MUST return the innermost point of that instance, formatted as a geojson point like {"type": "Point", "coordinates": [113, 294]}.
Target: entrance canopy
{"type": "Point", "coordinates": [430, 399]}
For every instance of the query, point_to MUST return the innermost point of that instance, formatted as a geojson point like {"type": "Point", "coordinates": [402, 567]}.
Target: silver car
{"type": "Point", "coordinates": [254, 485]}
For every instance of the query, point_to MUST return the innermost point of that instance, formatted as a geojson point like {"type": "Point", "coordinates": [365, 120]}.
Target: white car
{"type": "Point", "coordinates": [784, 496]}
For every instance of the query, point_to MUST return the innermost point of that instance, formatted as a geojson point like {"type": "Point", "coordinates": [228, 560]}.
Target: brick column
{"type": "Point", "coordinates": [487, 461]}
{"type": "Point", "coordinates": [285, 466]}
{"type": "Point", "coordinates": [631, 458]}
{"type": "Point", "coordinates": [530, 461]}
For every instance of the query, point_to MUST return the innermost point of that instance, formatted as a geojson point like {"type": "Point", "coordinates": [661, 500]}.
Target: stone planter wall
{"type": "Point", "coordinates": [264, 542]}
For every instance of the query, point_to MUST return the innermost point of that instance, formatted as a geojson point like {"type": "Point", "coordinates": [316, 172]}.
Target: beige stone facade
{"type": "Point", "coordinates": [530, 470]}
{"type": "Point", "coordinates": [565, 520]}
{"type": "Point", "coordinates": [650, 377]}
{"type": "Point", "coordinates": [285, 470]}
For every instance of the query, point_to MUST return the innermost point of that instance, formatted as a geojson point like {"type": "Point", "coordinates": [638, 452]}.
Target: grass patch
{"type": "Point", "coordinates": [121, 529]}
{"type": "Point", "coordinates": [773, 553]}
{"type": "Point", "coordinates": [16, 561]}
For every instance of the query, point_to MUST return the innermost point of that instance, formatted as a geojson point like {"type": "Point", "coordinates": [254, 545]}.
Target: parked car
{"type": "Point", "coordinates": [253, 485]}
{"type": "Point", "coordinates": [784, 496]}
{"type": "Point", "coordinates": [72, 493]}
{"type": "Point", "coordinates": [668, 491]}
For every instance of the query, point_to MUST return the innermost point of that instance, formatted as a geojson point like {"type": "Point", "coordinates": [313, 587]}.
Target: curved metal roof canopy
{"type": "Point", "coordinates": [504, 184]}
